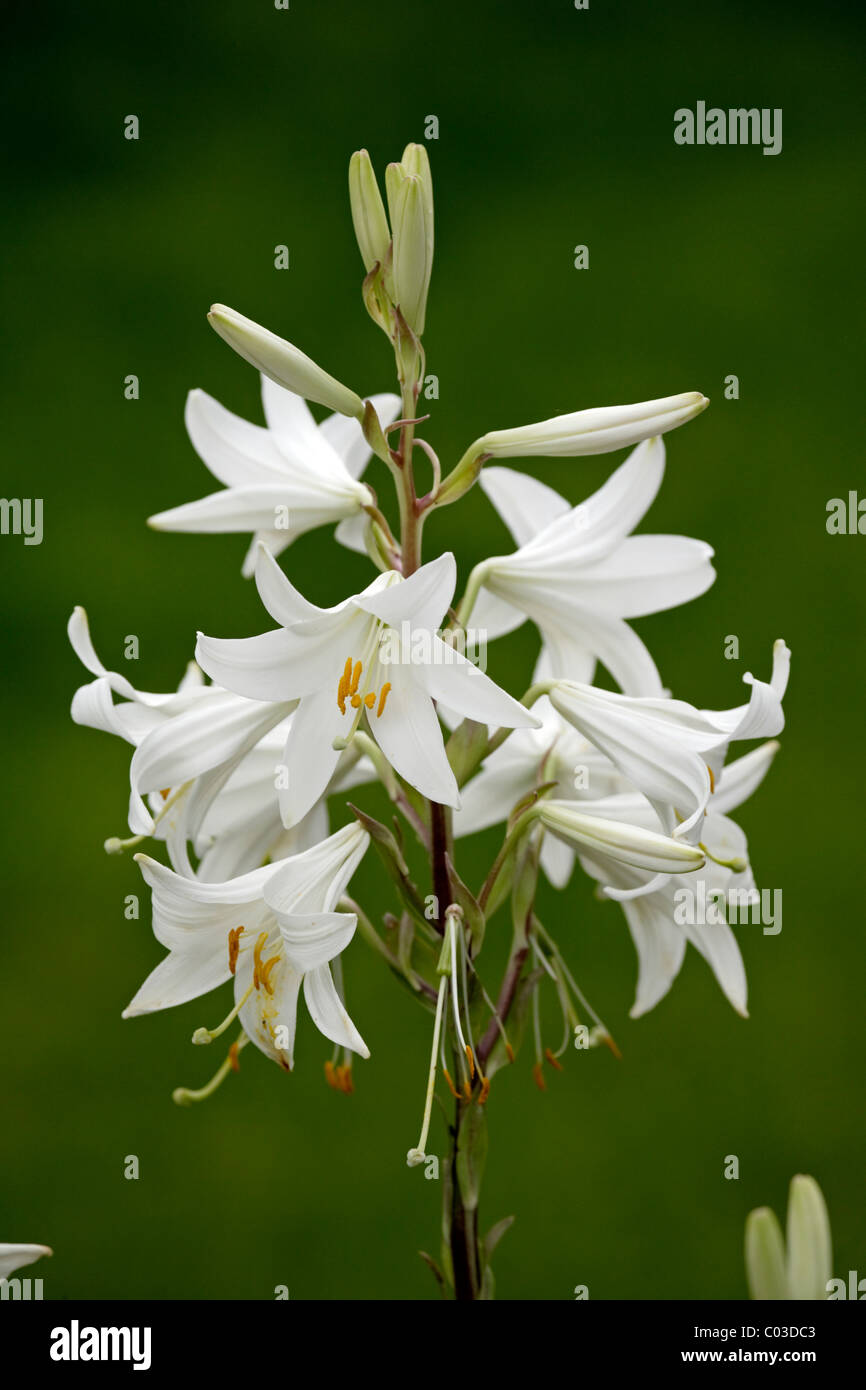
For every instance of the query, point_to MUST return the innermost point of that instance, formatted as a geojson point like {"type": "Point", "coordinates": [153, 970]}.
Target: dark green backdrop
{"type": "Point", "coordinates": [556, 128]}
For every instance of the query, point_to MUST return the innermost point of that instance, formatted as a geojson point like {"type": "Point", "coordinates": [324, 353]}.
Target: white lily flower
{"type": "Point", "coordinates": [338, 663]}
{"type": "Point", "coordinates": [206, 761]}
{"type": "Point", "coordinates": [805, 1270]}
{"type": "Point", "coordinates": [553, 753]}
{"type": "Point", "coordinates": [272, 930]}
{"type": "Point", "coordinates": [93, 704]}
{"type": "Point", "coordinates": [578, 573]}
{"type": "Point", "coordinates": [667, 749]}
{"type": "Point", "coordinates": [14, 1257]}
{"type": "Point", "coordinates": [279, 481]}
{"type": "Point", "coordinates": [651, 903]}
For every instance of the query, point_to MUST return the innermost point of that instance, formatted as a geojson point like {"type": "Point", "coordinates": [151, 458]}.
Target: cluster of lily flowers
{"type": "Point", "coordinates": [240, 770]}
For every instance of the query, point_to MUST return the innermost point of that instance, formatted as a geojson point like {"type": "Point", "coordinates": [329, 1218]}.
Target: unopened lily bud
{"type": "Point", "coordinates": [810, 1253]}
{"type": "Point", "coordinates": [413, 250]}
{"type": "Point", "coordinates": [416, 161]}
{"type": "Point", "coordinates": [283, 362]}
{"type": "Point", "coordinates": [597, 431]}
{"type": "Point", "coordinates": [765, 1256]}
{"type": "Point", "coordinates": [627, 844]}
{"type": "Point", "coordinates": [368, 211]}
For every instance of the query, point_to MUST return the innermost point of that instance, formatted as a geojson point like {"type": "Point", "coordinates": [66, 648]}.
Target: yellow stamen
{"type": "Point", "coordinates": [467, 1091]}
{"type": "Point", "coordinates": [234, 1061]}
{"type": "Point", "coordinates": [382, 698]}
{"type": "Point", "coordinates": [539, 1079]}
{"type": "Point", "coordinates": [355, 702]}
{"type": "Point", "coordinates": [262, 969]}
{"type": "Point", "coordinates": [344, 1079]}
{"type": "Point", "coordinates": [235, 935]}
{"type": "Point", "coordinates": [329, 1076]}
{"type": "Point", "coordinates": [712, 778]}
{"type": "Point", "coordinates": [485, 1091]}
{"type": "Point", "coordinates": [356, 676]}
{"type": "Point", "coordinates": [509, 1052]}
{"type": "Point", "coordinates": [471, 1061]}
{"type": "Point", "coordinates": [370, 699]}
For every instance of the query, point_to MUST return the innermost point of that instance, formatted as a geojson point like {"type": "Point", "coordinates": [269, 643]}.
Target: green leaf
{"type": "Point", "coordinates": [495, 1234]}
{"type": "Point", "coordinates": [471, 1154]}
{"type": "Point", "coordinates": [465, 748]}
{"type": "Point", "coordinates": [472, 914]}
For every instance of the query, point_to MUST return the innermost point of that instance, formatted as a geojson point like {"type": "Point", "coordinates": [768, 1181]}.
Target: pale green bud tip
{"type": "Point", "coordinates": [765, 1256]}
{"type": "Point", "coordinates": [368, 211]}
{"type": "Point", "coordinates": [810, 1253]}
{"type": "Point", "coordinates": [414, 1157]}
{"type": "Point", "coordinates": [282, 362]}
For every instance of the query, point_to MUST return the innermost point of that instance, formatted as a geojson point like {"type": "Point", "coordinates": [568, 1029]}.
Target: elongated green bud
{"type": "Point", "coordinates": [283, 362]}
{"type": "Point", "coordinates": [368, 211]}
{"type": "Point", "coordinates": [597, 431]}
{"type": "Point", "coordinates": [413, 249]}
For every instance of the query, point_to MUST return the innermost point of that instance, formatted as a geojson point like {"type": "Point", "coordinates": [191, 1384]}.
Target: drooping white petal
{"type": "Point", "coordinates": [526, 505]}
{"type": "Point", "coordinates": [214, 732]}
{"type": "Point", "coordinates": [660, 948]}
{"type": "Point", "coordinates": [573, 641]}
{"type": "Point", "coordinates": [238, 453]}
{"type": "Point", "coordinates": [14, 1257]}
{"type": "Point", "coordinates": [269, 1016]}
{"type": "Point", "coordinates": [742, 777]}
{"type": "Point", "coordinates": [328, 1011]}
{"type": "Point", "coordinates": [315, 880]}
{"type": "Point", "coordinates": [421, 600]}
{"type": "Point", "coordinates": [310, 759]}
{"type": "Point", "coordinates": [659, 756]}
{"type": "Point", "coordinates": [460, 684]}
{"type": "Point", "coordinates": [312, 939]}
{"type": "Point", "coordinates": [411, 739]}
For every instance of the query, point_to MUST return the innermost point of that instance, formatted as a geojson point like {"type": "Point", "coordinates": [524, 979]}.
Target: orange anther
{"type": "Point", "coordinates": [329, 1075]}
{"type": "Point", "coordinates": [467, 1091]}
{"type": "Point", "coordinates": [485, 1090]}
{"type": "Point", "coordinates": [509, 1052]}
{"type": "Point", "coordinates": [539, 1079]}
{"type": "Point", "coordinates": [262, 968]}
{"type": "Point", "coordinates": [370, 699]}
{"type": "Point", "coordinates": [355, 702]}
{"type": "Point", "coordinates": [356, 676]}
{"type": "Point", "coordinates": [455, 1094]}
{"type": "Point", "coordinates": [233, 1055]}
{"type": "Point", "coordinates": [471, 1061]}
{"type": "Point", "coordinates": [382, 698]}
{"type": "Point", "coordinates": [343, 687]}
{"type": "Point", "coordinates": [235, 935]}
{"type": "Point", "coordinates": [344, 1079]}
{"type": "Point", "coordinates": [552, 1060]}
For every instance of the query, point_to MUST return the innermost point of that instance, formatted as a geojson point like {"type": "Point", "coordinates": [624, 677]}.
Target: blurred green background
{"type": "Point", "coordinates": [556, 128]}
